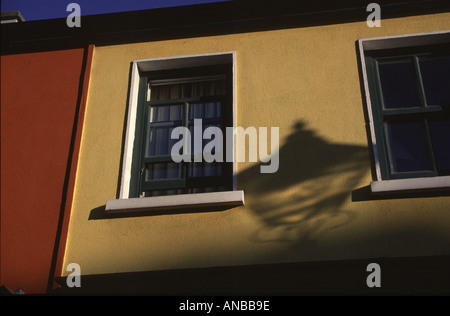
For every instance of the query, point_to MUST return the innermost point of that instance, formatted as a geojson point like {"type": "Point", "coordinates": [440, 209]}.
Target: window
{"type": "Point", "coordinates": [165, 94]}
{"type": "Point", "coordinates": [173, 99]}
{"type": "Point", "coordinates": [408, 90]}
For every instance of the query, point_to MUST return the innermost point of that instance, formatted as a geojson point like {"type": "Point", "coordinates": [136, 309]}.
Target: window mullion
{"type": "Point", "coordinates": [425, 121]}
{"type": "Point", "coordinates": [185, 123]}
{"type": "Point", "coordinates": [381, 135]}
{"type": "Point", "coordinates": [420, 88]}
{"type": "Point", "coordinates": [430, 145]}
{"type": "Point", "coordinates": [145, 143]}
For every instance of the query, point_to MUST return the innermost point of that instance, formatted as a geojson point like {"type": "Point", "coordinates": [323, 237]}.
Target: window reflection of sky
{"type": "Point", "coordinates": [408, 147]}
{"type": "Point", "coordinates": [440, 136]}
{"type": "Point", "coordinates": [435, 74]}
{"type": "Point", "coordinates": [407, 140]}
{"type": "Point", "coordinates": [398, 84]}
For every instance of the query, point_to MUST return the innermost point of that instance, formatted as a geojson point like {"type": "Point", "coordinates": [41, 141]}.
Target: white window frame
{"type": "Point", "coordinates": [389, 42]}
{"type": "Point", "coordinates": [125, 203]}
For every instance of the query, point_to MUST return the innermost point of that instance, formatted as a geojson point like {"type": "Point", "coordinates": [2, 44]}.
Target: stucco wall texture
{"type": "Point", "coordinates": [305, 81]}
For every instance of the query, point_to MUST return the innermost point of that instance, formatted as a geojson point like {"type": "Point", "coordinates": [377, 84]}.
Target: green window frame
{"type": "Point", "coordinates": [185, 182]}
{"type": "Point", "coordinates": [388, 118]}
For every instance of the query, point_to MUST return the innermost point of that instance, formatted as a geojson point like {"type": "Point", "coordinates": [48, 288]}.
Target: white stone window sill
{"type": "Point", "coordinates": [173, 202]}
{"type": "Point", "coordinates": [410, 184]}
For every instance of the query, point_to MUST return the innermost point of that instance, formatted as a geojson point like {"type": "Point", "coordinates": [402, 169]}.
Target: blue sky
{"type": "Point", "coordinates": [51, 9]}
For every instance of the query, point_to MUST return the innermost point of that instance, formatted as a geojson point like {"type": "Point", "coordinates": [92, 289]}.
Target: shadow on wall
{"type": "Point", "coordinates": [306, 197]}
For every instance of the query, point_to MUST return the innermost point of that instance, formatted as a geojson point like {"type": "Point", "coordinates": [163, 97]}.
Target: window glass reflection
{"type": "Point", "coordinates": [408, 147]}
{"type": "Point", "coordinates": [440, 138]}
{"type": "Point", "coordinates": [158, 171]}
{"type": "Point", "coordinates": [398, 84]}
{"type": "Point", "coordinates": [435, 74]}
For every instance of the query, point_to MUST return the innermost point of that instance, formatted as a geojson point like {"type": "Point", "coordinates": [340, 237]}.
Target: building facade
{"type": "Point", "coordinates": [347, 164]}
{"type": "Point", "coordinates": [41, 98]}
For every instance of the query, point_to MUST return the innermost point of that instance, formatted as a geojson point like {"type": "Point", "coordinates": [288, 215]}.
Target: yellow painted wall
{"type": "Point", "coordinates": [306, 82]}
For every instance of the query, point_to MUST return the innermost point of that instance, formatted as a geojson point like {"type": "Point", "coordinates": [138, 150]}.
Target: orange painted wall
{"type": "Point", "coordinates": [39, 97]}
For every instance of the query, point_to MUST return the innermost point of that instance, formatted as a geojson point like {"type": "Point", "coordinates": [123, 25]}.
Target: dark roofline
{"type": "Point", "coordinates": [200, 20]}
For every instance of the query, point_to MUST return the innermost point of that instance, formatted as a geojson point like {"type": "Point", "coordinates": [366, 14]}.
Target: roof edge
{"type": "Point", "coordinates": [207, 19]}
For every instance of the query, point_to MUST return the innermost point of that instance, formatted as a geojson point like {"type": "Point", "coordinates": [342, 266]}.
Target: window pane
{"type": "Point", "coordinates": [166, 113]}
{"type": "Point", "coordinates": [159, 171]}
{"type": "Point", "coordinates": [159, 141]}
{"type": "Point", "coordinates": [212, 110]}
{"type": "Point", "coordinates": [163, 93]}
{"type": "Point", "coordinates": [408, 147]}
{"type": "Point", "coordinates": [440, 138]}
{"type": "Point", "coordinates": [195, 169]}
{"type": "Point", "coordinates": [161, 114]}
{"type": "Point", "coordinates": [214, 87]}
{"type": "Point", "coordinates": [436, 80]}
{"type": "Point", "coordinates": [190, 89]}
{"type": "Point", "coordinates": [204, 169]}
{"type": "Point", "coordinates": [175, 113]}
{"type": "Point", "coordinates": [204, 141]}
{"type": "Point", "coordinates": [187, 90]}
{"type": "Point", "coordinates": [196, 111]}
{"type": "Point", "coordinates": [163, 192]}
{"type": "Point", "coordinates": [398, 84]}
{"type": "Point", "coordinates": [212, 169]}
{"type": "Point", "coordinates": [163, 119]}
{"type": "Point", "coordinates": [175, 91]}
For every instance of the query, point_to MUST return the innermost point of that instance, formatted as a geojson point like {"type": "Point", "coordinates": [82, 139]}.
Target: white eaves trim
{"type": "Point", "coordinates": [410, 184]}
{"type": "Point", "coordinates": [170, 202]}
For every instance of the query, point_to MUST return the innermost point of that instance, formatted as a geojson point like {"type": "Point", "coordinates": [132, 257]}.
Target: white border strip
{"type": "Point", "coordinates": [399, 41]}
{"type": "Point", "coordinates": [369, 109]}
{"type": "Point", "coordinates": [131, 128]}
{"type": "Point", "coordinates": [410, 184]}
{"type": "Point", "coordinates": [213, 199]}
